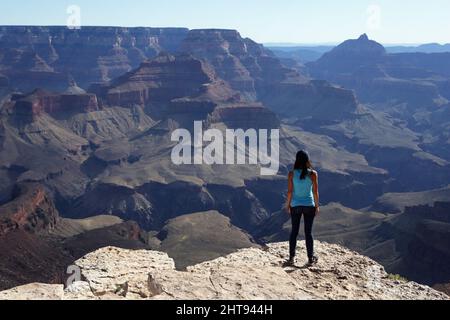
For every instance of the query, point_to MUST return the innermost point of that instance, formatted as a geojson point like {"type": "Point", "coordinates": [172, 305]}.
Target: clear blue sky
{"type": "Point", "coordinates": [295, 21]}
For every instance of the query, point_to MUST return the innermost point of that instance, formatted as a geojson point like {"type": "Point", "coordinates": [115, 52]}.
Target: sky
{"type": "Point", "coordinates": [265, 21]}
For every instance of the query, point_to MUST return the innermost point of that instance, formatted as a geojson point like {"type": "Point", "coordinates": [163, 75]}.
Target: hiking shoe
{"type": "Point", "coordinates": [314, 260]}
{"type": "Point", "coordinates": [289, 263]}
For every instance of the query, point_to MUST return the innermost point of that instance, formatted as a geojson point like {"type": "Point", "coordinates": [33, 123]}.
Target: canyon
{"type": "Point", "coordinates": [86, 119]}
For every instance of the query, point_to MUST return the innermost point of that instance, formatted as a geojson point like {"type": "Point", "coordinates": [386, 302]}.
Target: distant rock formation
{"type": "Point", "coordinates": [352, 54]}
{"type": "Point", "coordinates": [365, 66]}
{"type": "Point", "coordinates": [93, 54]}
{"type": "Point", "coordinates": [258, 75]}
{"type": "Point", "coordinates": [74, 100]}
{"type": "Point", "coordinates": [225, 50]}
{"type": "Point", "coordinates": [253, 274]}
{"type": "Point", "coordinates": [185, 88]}
{"type": "Point", "coordinates": [73, 88]}
{"type": "Point", "coordinates": [161, 80]}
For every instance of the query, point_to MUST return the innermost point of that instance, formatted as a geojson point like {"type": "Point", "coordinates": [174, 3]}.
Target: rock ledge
{"type": "Point", "coordinates": [112, 273]}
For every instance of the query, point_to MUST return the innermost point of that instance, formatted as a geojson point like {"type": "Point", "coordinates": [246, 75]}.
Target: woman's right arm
{"type": "Point", "coordinates": [315, 180]}
{"type": "Point", "coordinates": [290, 190]}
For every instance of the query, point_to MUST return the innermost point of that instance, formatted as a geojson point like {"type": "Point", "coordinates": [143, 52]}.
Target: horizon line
{"type": "Point", "coordinates": [269, 43]}
{"type": "Point", "coordinates": [326, 44]}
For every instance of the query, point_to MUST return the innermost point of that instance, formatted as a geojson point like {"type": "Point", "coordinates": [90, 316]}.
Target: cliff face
{"type": "Point", "coordinates": [31, 210]}
{"type": "Point", "coordinates": [246, 116]}
{"type": "Point", "coordinates": [160, 80]}
{"type": "Point", "coordinates": [317, 100]}
{"type": "Point", "coordinates": [112, 273]}
{"type": "Point", "coordinates": [26, 254]}
{"type": "Point", "coordinates": [28, 107]}
{"type": "Point", "coordinates": [225, 50]}
{"type": "Point", "coordinates": [186, 88]}
{"type": "Point", "coordinates": [92, 54]}
{"type": "Point", "coordinates": [253, 71]}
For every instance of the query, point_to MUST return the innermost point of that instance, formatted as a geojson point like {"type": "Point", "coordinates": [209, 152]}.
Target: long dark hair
{"type": "Point", "coordinates": [303, 163]}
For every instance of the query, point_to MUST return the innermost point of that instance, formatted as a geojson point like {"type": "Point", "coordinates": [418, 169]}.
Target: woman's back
{"type": "Point", "coordinates": [303, 190]}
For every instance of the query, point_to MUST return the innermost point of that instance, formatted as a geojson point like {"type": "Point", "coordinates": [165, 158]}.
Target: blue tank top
{"type": "Point", "coordinates": [303, 191]}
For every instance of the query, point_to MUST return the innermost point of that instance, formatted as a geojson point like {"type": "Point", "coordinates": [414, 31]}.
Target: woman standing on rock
{"type": "Point", "coordinates": [303, 199]}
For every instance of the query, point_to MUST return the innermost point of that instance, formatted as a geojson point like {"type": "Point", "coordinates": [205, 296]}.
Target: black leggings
{"type": "Point", "coordinates": [296, 215]}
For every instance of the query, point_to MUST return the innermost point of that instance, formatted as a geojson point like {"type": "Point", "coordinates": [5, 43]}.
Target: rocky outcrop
{"type": "Point", "coordinates": [27, 107]}
{"type": "Point", "coordinates": [30, 209]}
{"type": "Point", "coordinates": [160, 80]}
{"type": "Point", "coordinates": [253, 274]}
{"type": "Point", "coordinates": [224, 50]}
{"type": "Point", "coordinates": [245, 116]}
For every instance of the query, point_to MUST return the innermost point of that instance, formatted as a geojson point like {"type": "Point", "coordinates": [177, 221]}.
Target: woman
{"type": "Point", "coordinates": [303, 199]}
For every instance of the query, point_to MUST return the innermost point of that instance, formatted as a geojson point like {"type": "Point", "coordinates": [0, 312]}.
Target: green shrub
{"type": "Point", "coordinates": [397, 277]}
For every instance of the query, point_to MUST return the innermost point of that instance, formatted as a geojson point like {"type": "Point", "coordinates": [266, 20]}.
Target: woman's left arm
{"type": "Point", "coordinates": [289, 194]}
{"type": "Point", "coordinates": [315, 180]}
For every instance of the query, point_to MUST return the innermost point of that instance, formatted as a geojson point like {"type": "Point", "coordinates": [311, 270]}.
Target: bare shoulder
{"type": "Point", "coordinates": [291, 174]}
{"type": "Point", "coordinates": [314, 174]}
